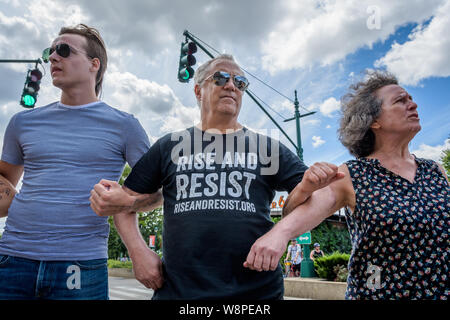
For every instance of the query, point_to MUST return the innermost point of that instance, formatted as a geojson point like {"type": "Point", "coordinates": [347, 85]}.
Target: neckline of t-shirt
{"type": "Point", "coordinates": [238, 132]}
{"type": "Point", "coordinates": [88, 105]}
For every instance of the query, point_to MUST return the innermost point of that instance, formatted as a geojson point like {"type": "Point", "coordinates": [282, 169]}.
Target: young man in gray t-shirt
{"type": "Point", "coordinates": [54, 246]}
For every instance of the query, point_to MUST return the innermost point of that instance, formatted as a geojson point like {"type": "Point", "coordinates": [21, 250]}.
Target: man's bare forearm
{"type": "Point", "coordinates": [109, 198]}
{"type": "Point", "coordinates": [318, 176]}
{"type": "Point", "coordinates": [294, 199]}
{"type": "Point", "coordinates": [127, 227]}
{"type": "Point", "coordinates": [312, 212]}
{"type": "Point", "coordinates": [147, 202]}
{"type": "Point", "coordinates": [7, 193]}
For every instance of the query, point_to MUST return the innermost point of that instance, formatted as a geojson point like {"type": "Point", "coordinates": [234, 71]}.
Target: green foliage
{"type": "Point", "coordinates": [119, 264]}
{"type": "Point", "coordinates": [446, 161]}
{"type": "Point", "coordinates": [150, 223]}
{"type": "Point", "coordinates": [331, 267]}
{"type": "Point", "coordinates": [331, 238]}
{"type": "Point", "coordinates": [116, 248]}
{"type": "Point", "coordinates": [126, 171]}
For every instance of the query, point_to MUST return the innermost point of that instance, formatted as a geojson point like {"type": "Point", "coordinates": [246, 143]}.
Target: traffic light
{"type": "Point", "coordinates": [31, 88]}
{"type": "Point", "coordinates": [185, 72]}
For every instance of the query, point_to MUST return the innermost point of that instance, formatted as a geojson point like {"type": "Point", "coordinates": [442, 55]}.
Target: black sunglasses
{"type": "Point", "coordinates": [220, 78]}
{"type": "Point", "coordinates": [62, 49]}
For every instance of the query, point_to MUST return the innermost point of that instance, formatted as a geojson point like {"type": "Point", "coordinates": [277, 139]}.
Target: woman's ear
{"type": "Point", "coordinates": [375, 125]}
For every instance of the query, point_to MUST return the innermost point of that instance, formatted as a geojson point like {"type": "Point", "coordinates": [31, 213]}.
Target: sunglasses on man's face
{"type": "Point", "coordinates": [62, 49]}
{"type": "Point", "coordinates": [220, 78]}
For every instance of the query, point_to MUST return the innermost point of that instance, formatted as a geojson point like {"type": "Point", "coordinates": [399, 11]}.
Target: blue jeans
{"type": "Point", "coordinates": [25, 279]}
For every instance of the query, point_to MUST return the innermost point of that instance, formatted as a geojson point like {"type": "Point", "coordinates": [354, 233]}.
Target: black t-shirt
{"type": "Point", "coordinates": [217, 192]}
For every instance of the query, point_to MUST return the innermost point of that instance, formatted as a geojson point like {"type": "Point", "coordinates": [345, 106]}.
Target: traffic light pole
{"type": "Point", "coordinates": [32, 81]}
{"type": "Point", "coordinates": [37, 61]}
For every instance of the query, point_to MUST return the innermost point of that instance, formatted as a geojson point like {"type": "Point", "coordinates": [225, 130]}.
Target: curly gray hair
{"type": "Point", "coordinates": [360, 107]}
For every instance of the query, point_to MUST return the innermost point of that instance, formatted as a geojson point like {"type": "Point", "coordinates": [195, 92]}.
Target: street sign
{"type": "Point", "coordinates": [151, 241]}
{"type": "Point", "coordinates": [304, 238]}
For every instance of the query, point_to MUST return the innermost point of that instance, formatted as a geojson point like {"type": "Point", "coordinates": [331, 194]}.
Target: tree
{"type": "Point", "coordinates": [446, 161]}
{"type": "Point", "coordinates": [331, 238]}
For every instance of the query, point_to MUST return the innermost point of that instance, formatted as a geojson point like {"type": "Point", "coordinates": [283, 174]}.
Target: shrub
{"type": "Point", "coordinates": [331, 267]}
{"type": "Point", "coordinates": [331, 238]}
{"type": "Point", "coordinates": [119, 264]}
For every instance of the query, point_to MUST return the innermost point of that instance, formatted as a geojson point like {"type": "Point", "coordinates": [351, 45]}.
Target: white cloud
{"type": "Point", "coordinates": [322, 33]}
{"type": "Point", "coordinates": [156, 106]}
{"type": "Point", "coordinates": [329, 106]}
{"type": "Point", "coordinates": [318, 141]}
{"type": "Point", "coordinates": [180, 118]}
{"type": "Point", "coordinates": [432, 152]}
{"type": "Point", "coordinates": [425, 54]}
{"type": "Point", "coordinates": [312, 122]}
{"type": "Point", "coordinates": [137, 95]}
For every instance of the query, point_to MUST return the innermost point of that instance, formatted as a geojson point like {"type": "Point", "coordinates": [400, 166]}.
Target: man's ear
{"type": "Point", "coordinates": [95, 64]}
{"type": "Point", "coordinates": [198, 92]}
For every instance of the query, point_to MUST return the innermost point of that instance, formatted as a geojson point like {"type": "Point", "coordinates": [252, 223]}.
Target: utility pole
{"type": "Point", "coordinates": [297, 117]}
{"type": "Point", "coordinates": [307, 265]}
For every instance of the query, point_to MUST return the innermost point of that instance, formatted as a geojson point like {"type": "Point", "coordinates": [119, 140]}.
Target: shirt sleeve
{"type": "Point", "coordinates": [137, 143]}
{"type": "Point", "coordinates": [12, 150]}
{"type": "Point", "coordinates": [145, 176]}
{"type": "Point", "coordinates": [291, 170]}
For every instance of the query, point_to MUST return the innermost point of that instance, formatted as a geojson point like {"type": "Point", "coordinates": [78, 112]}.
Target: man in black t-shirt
{"type": "Point", "coordinates": [218, 180]}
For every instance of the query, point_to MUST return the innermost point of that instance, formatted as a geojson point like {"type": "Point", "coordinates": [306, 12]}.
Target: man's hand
{"type": "Point", "coordinates": [147, 267]}
{"type": "Point", "coordinates": [266, 252]}
{"type": "Point", "coordinates": [108, 198]}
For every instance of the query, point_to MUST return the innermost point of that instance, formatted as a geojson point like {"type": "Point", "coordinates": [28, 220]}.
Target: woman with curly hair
{"type": "Point", "coordinates": [397, 205]}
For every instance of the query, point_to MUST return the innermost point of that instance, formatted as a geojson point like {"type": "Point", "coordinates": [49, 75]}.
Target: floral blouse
{"type": "Point", "coordinates": [399, 232]}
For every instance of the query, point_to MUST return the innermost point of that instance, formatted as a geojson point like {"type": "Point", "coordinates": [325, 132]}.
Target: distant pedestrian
{"type": "Point", "coordinates": [316, 253]}
{"type": "Point", "coordinates": [294, 252]}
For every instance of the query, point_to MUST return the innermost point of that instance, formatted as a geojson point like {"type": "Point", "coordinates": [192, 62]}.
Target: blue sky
{"type": "Point", "coordinates": [316, 47]}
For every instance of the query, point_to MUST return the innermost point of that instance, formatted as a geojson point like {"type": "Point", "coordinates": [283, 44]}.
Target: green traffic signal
{"type": "Point", "coordinates": [28, 100]}
{"type": "Point", "coordinates": [186, 75]}
{"type": "Point", "coordinates": [187, 59]}
{"type": "Point", "coordinates": [31, 88]}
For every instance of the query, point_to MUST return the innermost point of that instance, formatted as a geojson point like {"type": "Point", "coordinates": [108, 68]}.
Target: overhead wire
{"type": "Point", "coordinates": [255, 77]}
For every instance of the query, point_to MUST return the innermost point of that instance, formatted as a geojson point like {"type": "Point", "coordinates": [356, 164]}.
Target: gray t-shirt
{"type": "Point", "coordinates": [65, 151]}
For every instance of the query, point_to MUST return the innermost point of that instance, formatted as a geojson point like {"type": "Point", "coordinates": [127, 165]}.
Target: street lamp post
{"type": "Point", "coordinates": [307, 265]}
